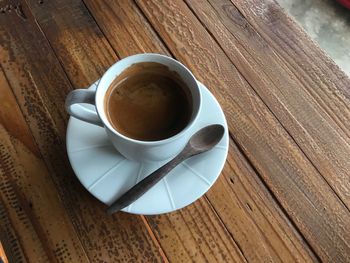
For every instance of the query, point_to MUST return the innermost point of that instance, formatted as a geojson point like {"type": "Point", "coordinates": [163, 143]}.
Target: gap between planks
{"type": "Point", "coordinates": [257, 94]}
{"type": "Point", "coordinates": [273, 196]}
{"type": "Point", "coordinates": [41, 235]}
{"type": "Point", "coordinates": [284, 213]}
{"type": "Point", "coordinates": [149, 230]}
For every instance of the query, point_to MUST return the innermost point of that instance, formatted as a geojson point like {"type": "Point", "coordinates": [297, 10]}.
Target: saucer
{"type": "Point", "coordinates": [106, 174]}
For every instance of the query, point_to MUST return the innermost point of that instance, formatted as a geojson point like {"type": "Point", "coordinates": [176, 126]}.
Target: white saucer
{"type": "Point", "coordinates": [106, 174]}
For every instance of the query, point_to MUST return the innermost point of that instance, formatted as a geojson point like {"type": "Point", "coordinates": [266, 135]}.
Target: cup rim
{"type": "Point", "coordinates": [108, 125]}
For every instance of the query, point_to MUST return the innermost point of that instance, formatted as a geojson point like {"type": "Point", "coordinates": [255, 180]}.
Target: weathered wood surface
{"type": "Point", "coordinates": [289, 173]}
{"type": "Point", "coordinates": [284, 193]}
{"type": "Point", "coordinates": [39, 83]}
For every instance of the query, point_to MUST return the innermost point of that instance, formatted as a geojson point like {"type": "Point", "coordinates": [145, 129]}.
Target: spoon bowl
{"type": "Point", "coordinates": [206, 138]}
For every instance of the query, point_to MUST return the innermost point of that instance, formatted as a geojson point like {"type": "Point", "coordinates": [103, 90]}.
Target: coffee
{"type": "Point", "coordinates": [148, 102]}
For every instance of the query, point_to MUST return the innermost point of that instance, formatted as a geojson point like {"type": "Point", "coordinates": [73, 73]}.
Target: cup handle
{"type": "Point", "coordinates": [79, 111]}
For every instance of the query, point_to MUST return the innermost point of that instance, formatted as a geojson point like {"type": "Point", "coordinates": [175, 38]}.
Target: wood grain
{"type": "Point", "coordinates": [175, 253]}
{"type": "Point", "coordinates": [164, 225]}
{"type": "Point", "coordinates": [295, 182]}
{"type": "Point", "coordinates": [324, 78]}
{"type": "Point", "coordinates": [274, 201]}
{"type": "Point", "coordinates": [252, 215]}
{"type": "Point", "coordinates": [9, 237]}
{"type": "Point", "coordinates": [76, 39]}
{"type": "Point", "coordinates": [234, 254]}
{"type": "Point", "coordinates": [125, 28]}
{"type": "Point", "coordinates": [27, 191]}
{"type": "Point", "coordinates": [293, 102]}
{"type": "Point", "coordinates": [40, 86]}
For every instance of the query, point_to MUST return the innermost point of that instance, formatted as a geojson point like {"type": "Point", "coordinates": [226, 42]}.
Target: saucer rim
{"type": "Point", "coordinates": [219, 169]}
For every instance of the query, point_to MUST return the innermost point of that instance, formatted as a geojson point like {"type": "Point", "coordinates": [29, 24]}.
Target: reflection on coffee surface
{"type": "Point", "coordinates": [148, 102]}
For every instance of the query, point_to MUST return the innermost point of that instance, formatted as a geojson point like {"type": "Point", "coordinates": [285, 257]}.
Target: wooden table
{"type": "Point", "coordinates": [284, 194]}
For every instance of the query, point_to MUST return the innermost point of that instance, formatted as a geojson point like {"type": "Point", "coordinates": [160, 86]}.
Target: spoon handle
{"type": "Point", "coordinates": [145, 184]}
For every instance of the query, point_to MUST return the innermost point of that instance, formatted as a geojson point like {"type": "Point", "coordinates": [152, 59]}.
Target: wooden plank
{"type": "Point", "coordinates": [297, 185]}
{"type": "Point", "coordinates": [29, 240]}
{"type": "Point", "coordinates": [325, 79]}
{"type": "Point", "coordinates": [40, 86]}
{"type": "Point", "coordinates": [51, 42]}
{"type": "Point", "coordinates": [252, 215]}
{"type": "Point", "coordinates": [293, 103]}
{"type": "Point", "coordinates": [28, 193]}
{"type": "Point", "coordinates": [224, 245]}
{"type": "Point", "coordinates": [9, 238]}
{"type": "Point", "coordinates": [254, 221]}
{"type": "Point", "coordinates": [124, 26]}
{"type": "Point", "coordinates": [14, 126]}
{"type": "Point", "coordinates": [248, 232]}
{"type": "Point", "coordinates": [76, 38]}
{"type": "Point", "coordinates": [194, 234]}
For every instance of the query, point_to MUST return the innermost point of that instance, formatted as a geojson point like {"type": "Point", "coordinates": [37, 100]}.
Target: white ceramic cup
{"type": "Point", "coordinates": [131, 148]}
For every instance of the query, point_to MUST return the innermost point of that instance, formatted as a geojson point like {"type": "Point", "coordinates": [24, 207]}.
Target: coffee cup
{"type": "Point", "coordinates": [147, 104]}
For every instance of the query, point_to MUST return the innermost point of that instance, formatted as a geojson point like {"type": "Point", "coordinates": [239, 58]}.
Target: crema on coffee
{"type": "Point", "coordinates": [148, 102]}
